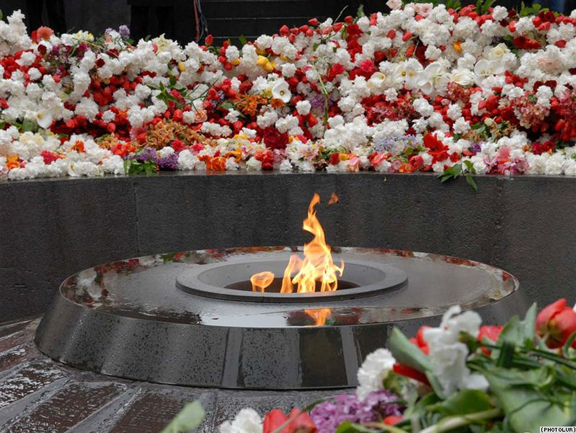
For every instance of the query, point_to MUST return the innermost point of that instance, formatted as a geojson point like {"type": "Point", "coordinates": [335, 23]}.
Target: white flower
{"type": "Point", "coordinates": [394, 4]}
{"type": "Point", "coordinates": [246, 421]}
{"type": "Point", "coordinates": [409, 71]}
{"type": "Point", "coordinates": [464, 77]}
{"type": "Point", "coordinates": [303, 107]}
{"type": "Point", "coordinates": [433, 78]}
{"type": "Point", "coordinates": [448, 355]}
{"type": "Point", "coordinates": [44, 118]}
{"type": "Point", "coordinates": [281, 91]}
{"type": "Point", "coordinates": [374, 370]}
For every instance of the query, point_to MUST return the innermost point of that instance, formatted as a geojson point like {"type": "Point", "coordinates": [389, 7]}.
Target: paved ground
{"type": "Point", "coordinates": [40, 395]}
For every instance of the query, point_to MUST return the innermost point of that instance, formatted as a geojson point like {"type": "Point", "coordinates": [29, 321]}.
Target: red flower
{"type": "Point", "coordinates": [300, 422]}
{"type": "Point", "coordinates": [393, 419]}
{"type": "Point", "coordinates": [274, 139]}
{"type": "Point", "coordinates": [412, 373]}
{"type": "Point", "coordinates": [438, 150]}
{"type": "Point", "coordinates": [273, 420]}
{"type": "Point", "coordinates": [556, 323]}
{"type": "Point", "coordinates": [334, 158]}
{"type": "Point", "coordinates": [491, 332]}
{"type": "Point", "coordinates": [178, 145]}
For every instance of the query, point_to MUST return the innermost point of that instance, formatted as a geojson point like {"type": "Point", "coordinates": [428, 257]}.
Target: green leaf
{"type": "Point", "coordinates": [189, 418]}
{"type": "Point", "coordinates": [462, 403]}
{"type": "Point", "coordinates": [479, 6]}
{"type": "Point", "coordinates": [243, 39]}
{"type": "Point", "coordinates": [1, 15]}
{"type": "Point", "coordinates": [172, 80]}
{"type": "Point", "coordinates": [348, 427]}
{"type": "Point", "coordinates": [421, 407]}
{"type": "Point", "coordinates": [506, 354]}
{"type": "Point", "coordinates": [470, 180]}
{"type": "Point", "coordinates": [521, 397]}
{"type": "Point", "coordinates": [407, 353]}
{"type": "Point", "coordinates": [400, 385]}
{"type": "Point", "coordinates": [568, 345]}
{"type": "Point", "coordinates": [29, 125]}
{"type": "Point", "coordinates": [360, 13]}
{"type": "Point", "coordinates": [520, 332]}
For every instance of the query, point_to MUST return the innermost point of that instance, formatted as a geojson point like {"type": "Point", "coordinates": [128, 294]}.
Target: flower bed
{"type": "Point", "coordinates": [460, 376]}
{"type": "Point", "coordinates": [452, 90]}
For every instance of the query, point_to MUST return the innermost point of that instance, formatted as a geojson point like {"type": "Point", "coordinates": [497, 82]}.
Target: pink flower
{"type": "Point", "coordinates": [423, 9]}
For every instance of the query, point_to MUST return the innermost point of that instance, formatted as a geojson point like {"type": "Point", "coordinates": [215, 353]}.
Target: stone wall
{"type": "Point", "coordinates": [53, 228]}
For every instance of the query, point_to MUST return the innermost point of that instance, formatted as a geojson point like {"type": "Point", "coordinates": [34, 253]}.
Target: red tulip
{"type": "Point", "coordinates": [491, 332]}
{"type": "Point", "coordinates": [300, 422]}
{"type": "Point", "coordinates": [273, 420]}
{"type": "Point", "coordinates": [556, 323]}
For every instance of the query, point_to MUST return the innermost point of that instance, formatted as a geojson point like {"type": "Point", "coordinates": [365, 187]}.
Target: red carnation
{"type": "Point", "coordinates": [274, 139]}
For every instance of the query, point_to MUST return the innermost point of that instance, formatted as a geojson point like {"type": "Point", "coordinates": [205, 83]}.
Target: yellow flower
{"type": "Point", "coordinates": [457, 46]}
{"type": "Point", "coordinates": [261, 61]}
{"type": "Point", "coordinates": [181, 66]}
{"type": "Point", "coordinates": [235, 62]}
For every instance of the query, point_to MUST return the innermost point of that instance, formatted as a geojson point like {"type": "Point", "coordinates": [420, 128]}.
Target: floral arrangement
{"type": "Point", "coordinates": [460, 376]}
{"type": "Point", "coordinates": [441, 88]}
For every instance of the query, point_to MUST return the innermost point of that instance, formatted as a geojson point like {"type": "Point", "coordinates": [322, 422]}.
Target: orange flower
{"type": "Point", "coordinates": [406, 167]}
{"type": "Point", "coordinates": [216, 164]}
{"type": "Point", "coordinates": [44, 33]}
{"type": "Point", "coordinates": [13, 162]}
{"type": "Point", "coordinates": [277, 103]}
{"type": "Point", "coordinates": [79, 147]}
{"type": "Point", "coordinates": [236, 154]}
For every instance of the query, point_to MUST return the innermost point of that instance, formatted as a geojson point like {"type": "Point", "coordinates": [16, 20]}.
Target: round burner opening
{"type": "Point", "coordinates": [230, 280]}
{"type": "Point", "coordinates": [276, 285]}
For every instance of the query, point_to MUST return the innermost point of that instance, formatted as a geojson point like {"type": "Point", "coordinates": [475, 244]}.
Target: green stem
{"type": "Point", "coordinates": [463, 420]}
{"type": "Point", "coordinates": [384, 427]}
{"type": "Point", "coordinates": [553, 357]}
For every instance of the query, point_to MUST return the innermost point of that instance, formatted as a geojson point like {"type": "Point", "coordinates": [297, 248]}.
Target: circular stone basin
{"type": "Point", "coordinates": [231, 281]}
{"type": "Point", "coordinates": [146, 319]}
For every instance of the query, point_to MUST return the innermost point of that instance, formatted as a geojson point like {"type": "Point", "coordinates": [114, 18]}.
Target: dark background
{"type": "Point", "coordinates": [226, 18]}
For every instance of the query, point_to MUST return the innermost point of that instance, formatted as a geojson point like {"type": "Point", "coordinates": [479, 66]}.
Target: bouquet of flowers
{"type": "Point", "coordinates": [460, 376]}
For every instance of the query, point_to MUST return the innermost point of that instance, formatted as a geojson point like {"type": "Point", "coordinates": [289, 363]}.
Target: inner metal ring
{"type": "Point", "coordinates": [212, 280]}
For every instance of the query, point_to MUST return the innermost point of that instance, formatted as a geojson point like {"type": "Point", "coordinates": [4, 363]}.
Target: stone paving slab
{"type": "Point", "coordinates": [39, 395]}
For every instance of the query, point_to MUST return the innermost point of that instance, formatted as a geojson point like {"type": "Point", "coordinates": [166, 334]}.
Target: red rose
{"type": "Point", "coordinates": [556, 323]}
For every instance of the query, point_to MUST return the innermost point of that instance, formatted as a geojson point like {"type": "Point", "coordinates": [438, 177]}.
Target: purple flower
{"type": "Point", "coordinates": [147, 154]}
{"type": "Point", "coordinates": [318, 102]}
{"type": "Point", "coordinates": [384, 144]}
{"type": "Point", "coordinates": [476, 148]}
{"type": "Point", "coordinates": [108, 30]}
{"type": "Point", "coordinates": [396, 144]}
{"type": "Point", "coordinates": [124, 31]}
{"type": "Point", "coordinates": [169, 162]}
{"type": "Point", "coordinates": [329, 415]}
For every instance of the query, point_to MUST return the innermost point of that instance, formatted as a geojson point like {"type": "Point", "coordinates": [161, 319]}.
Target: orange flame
{"type": "Point", "coordinates": [319, 315]}
{"type": "Point", "coordinates": [261, 280]}
{"type": "Point", "coordinates": [317, 266]}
